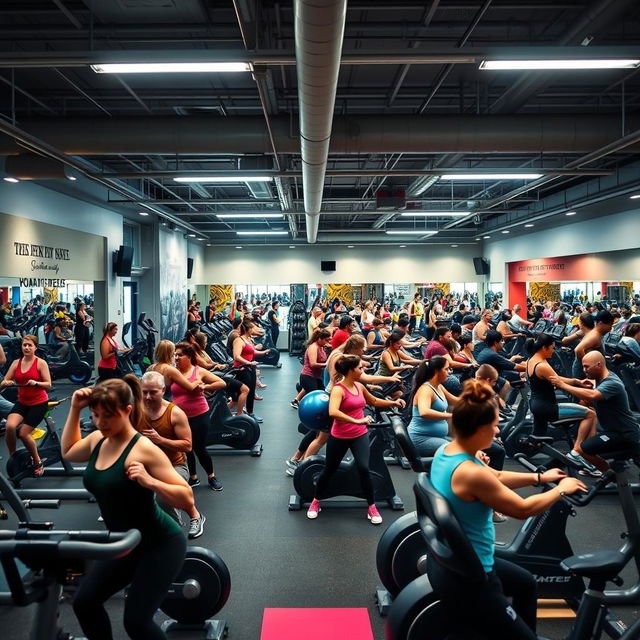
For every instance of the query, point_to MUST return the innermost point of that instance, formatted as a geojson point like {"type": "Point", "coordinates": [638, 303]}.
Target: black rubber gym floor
{"type": "Point", "coordinates": [279, 558]}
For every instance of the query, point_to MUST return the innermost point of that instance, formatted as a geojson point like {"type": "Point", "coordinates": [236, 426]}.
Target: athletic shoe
{"type": "Point", "coordinates": [499, 517]}
{"type": "Point", "coordinates": [294, 404]}
{"type": "Point", "coordinates": [257, 397]}
{"type": "Point", "coordinates": [314, 509]}
{"type": "Point", "coordinates": [576, 457]}
{"type": "Point", "coordinates": [38, 470]}
{"type": "Point", "coordinates": [194, 482]}
{"type": "Point", "coordinates": [590, 473]}
{"type": "Point", "coordinates": [196, 526]}
{"type": "Point", "coordinates": [291, 466]}
{"type": "Point", "coordinates": [256, 417]}
{"type": "Point", "coordinates": [261, 385]}
{"type": "Point", "coordinates": [374, 515]}
{"type": "Point", "coordinates": [215, 484]}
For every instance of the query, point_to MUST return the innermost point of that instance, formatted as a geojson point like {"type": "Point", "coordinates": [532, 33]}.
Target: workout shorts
{"type": "Point", "coordinates": [32, 415]}
{"type": "Point", "coordinates": [605, 442]}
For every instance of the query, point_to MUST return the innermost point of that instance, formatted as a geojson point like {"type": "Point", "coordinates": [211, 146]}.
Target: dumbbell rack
{"type": "Point", "coordinates": [298, 319]}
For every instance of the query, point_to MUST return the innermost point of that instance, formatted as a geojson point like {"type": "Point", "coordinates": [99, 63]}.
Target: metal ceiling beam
{"type": "Point", "coordinates": [174, 135]}
{"type": "Point", "coordinates": [278, 57]}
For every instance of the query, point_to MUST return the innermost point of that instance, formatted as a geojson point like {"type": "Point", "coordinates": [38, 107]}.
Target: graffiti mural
{"type": "Point", "coordinates": [342, 291]}
{"type": "Point", "coordinates": [173, 286]}
{"type": "Point", "coordinates": [222, 294]}
{"type": "Point", "coordinates": [543, 291]}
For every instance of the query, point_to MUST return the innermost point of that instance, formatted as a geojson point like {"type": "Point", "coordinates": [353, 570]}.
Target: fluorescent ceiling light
{"type": "Point", "coordinates": [238, 247]}
{"type": "Point", "coordinates": [570, 213]}
{"type": "Point", "coordinates": [410, 232]}
{"type": "Point", "coordinates": [228, 216]}
{"type": "Point", "coordinates": [143, 213]}
{"type": "Point", "coordinates": [505, 231]}
{"type": "Point", "coordinates": [191, 235]}
{"type": "Point", "coordinates": [72, 178]}
{"type": "Point", "coordinates": [453, 246]}
{"type": "Point", "coordinates": [172, 67]}
{"type": "Point", "coordinates": [528, 226]}
{"type": "Point", "coordinates": [635, 197]}
{"type": "Point", "coordinates": [12, 180]}
{"type": "Point", "coordinates": [485, 237]}
{"type": "Point", "coordinates": [262, 233]}
{"type": "Point", "coordinates": [491, 176]}
{"type": "Point", "coordinates": [613, 63]}
{"type": "Point", "coordinates": [349, 246]}
{"type": "Point", "coordinates": [403, 246]}
{"type": "Point", "coordinates": [223, 179]}
{"type": "Point", "coordinates": [434, 214]}
{"type": "Point", "coordinates": [292, 246]}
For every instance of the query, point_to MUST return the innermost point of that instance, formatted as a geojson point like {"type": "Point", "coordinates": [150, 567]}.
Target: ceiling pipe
{"type": "Point", "coordinates": [319, 31]}
{"type": "Point", "coordinates": [169, 135]}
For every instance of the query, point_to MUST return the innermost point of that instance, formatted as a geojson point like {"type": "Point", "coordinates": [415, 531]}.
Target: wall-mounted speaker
{"type": "Point", "coordinates": [481, 265]}
{"type": "Point", "coordinates": [189, 268]}
{"type": "Point", "coordinates": [122, 260]}
{"type": "Point", "coordinates": [328, 265]}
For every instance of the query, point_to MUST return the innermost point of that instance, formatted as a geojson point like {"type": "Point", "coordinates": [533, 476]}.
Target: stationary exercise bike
{"type": "Point", "coordinates": [346, 481]}
{"type": "Point", "coordinates": [539, 546]}
{"type": "Point", "coordinates": [56, 558]}
{"type": "Point", "coordinates": [74, 368]}
{"type": "Point", "coordinates": [238, 432]}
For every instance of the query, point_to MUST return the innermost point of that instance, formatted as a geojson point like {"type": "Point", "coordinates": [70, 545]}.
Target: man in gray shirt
{"type": "Point", "coordinates": [619, 429]}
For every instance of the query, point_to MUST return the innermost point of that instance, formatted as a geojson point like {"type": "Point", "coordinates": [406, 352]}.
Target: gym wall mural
{"type": "Point", "coordinates": [173, 286]}
{"type": "Point", "coordinates": [628, 286]}
{"type": "Point", "coordinates": [222, 294]}
{"type": "Point", "coordinates": [543, 291]}
{"type": "Point", "coordinates": [51, 295]}
{"type": "Point", "coordinates": [343, 292]}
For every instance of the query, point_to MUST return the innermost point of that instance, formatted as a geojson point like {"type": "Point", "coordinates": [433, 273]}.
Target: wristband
{"type": "Point", "coordinates": [539, 481]}
{"type": "Point", "coordinates": [561, 492]}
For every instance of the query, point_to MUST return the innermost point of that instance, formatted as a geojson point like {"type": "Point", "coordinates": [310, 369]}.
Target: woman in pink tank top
{"type": "Point", "coordinates": [31, 375]}
{"type": "Point", "coordinates": [349, 431]}
{"type": "Point", "coordinates": [195, 405]}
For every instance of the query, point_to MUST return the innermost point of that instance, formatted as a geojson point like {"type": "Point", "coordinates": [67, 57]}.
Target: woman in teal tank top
{"type": "Point", "coordinates": [124, 472]}
{"type": "Point", "coordinates": [473, 490]}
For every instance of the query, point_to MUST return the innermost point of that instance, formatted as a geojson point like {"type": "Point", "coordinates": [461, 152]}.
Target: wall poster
{"type": "Point", "coordinates": [173, 286]}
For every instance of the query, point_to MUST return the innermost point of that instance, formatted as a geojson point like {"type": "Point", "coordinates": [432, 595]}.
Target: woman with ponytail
{"type": "Point", "coordinates": [125, 471]}
{"type": "Point", "coordinates": [315, 360]}
{"type": "Point", "coordinates": [544, 404]}
{"type": "Point", "coordinates": [473, 490]}
{"type": "Point", "coordinates": [349, 432]}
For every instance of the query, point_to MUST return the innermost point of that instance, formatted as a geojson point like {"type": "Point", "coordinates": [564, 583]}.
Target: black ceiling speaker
{"type": "Point", "coordinates": [481, 265]}
{"type": "Point", "coordinates": [122, 260]}
{"type": "Point", "coordinates": [189, 268]}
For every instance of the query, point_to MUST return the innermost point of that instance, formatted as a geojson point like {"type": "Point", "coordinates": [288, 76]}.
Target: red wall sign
{"type": "Point", "coordinates": [580, 268]}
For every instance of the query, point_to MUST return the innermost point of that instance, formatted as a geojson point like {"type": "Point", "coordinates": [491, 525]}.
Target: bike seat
{"type": "Point", "coordinates": [540, 439]}
{"type": "Point", "coordinates": [598, 564]}
{"type": "Point", "coordinates": [565, 422]}
{"type": "Point", "coordinates": [517, 384]}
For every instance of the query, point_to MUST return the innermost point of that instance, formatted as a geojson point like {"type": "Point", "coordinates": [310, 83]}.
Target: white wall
{"type": "Point", "coordinates": [281, 265]}
{"type": "Point", "coordinates": [34, 202]}
{"type": "Point", "coordinates": [610, 233]}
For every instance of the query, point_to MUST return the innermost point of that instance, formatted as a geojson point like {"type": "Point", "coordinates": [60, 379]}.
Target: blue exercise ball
{"type": "Point", "coordinates": [313, 410]}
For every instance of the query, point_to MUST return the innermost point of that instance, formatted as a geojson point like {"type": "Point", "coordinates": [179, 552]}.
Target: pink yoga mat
{"type": "Point", "coordinates": [316, 624]}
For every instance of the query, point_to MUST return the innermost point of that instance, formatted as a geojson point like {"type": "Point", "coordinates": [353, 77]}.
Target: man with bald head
{"type": "Point", "coordinates": [619, 429]}
{"type": "Point", "coordinates": [168, 428]}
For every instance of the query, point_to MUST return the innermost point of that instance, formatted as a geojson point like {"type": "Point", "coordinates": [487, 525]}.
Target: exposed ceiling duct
{"type": "Point", "coordinates": [319, 30]}
{"type": "Point", "coordinates": [350, 135]}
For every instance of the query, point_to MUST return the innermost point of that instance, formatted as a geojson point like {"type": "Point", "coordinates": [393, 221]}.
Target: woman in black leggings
{"type": "Point", "coordinates": [349, 431]}
{"type": "Point", "coordinates": [474, 491]}
{"type": "Point", "coordinates": [124, 472]}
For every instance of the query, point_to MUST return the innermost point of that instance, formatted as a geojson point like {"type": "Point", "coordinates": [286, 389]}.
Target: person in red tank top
{"type": "Point", "coordinates": [349, 431]}
{"type": "Point", "coordinates": [32, 377]}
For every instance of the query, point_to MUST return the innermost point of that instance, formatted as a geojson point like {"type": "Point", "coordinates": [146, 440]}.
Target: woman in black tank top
{"type": "Point", "coordinates": [124, 471]}
{"type": "Point", "coordinates": [544, 404]}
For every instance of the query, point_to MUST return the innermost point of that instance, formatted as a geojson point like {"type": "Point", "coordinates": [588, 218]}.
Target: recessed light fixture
{"type": "Point", "coordinates": [553, 65]}
{"type": "Point", "coordinates": [10, 179]}
{"type": "Point", "coordinates": [202, 239]}
{"type": "Point", "coordinates": [228, 216]}
{"type": "Point", "coordinates": [570, 213]}
{"type": "Point", "coordinates": [238, 247]}
{"type": "Point", "coordinates": [453, 246]}
{"type": "Point", "coordinates": [529, 225]}
{"type": "Point", "coordinates": [292, 246]}
{"type": "Point", "coordinates": [434, 214]}
{"type": "Point", "coordinates": [403, 246]}
{"type": "Point", "coordinates": [223, 179]}
{"type": "Point", "coordinates": [491, 176]}
{"type": "Point", "coordinates": [143, 213]}
{"type": "Point", "coordinates": [485, 237]}
{"type": "Point", "coordinates": [505, 231]}
{"type": "Point", "coordinates": [410, 232]}
{"type": "Point", "coordinates": [262, 233]}
{"type": "Point", "coordinates": [191, 235]}
{"type": "Point", "coordinates": [172, 67]}
{"type": "Point", "coordinates": [209, 244]}
{"type": "Point", "coordinates": [72, 178]}
{"type": "Point", "coordinates": [164, 223]}
{"type": "Point", "coordinates": [349, 246]}
{"type": "Point", "coordinates": [637, 197]}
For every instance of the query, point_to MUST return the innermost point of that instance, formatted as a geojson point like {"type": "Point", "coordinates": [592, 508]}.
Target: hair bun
{"type": "Point", "coordinates": [476, 391]}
